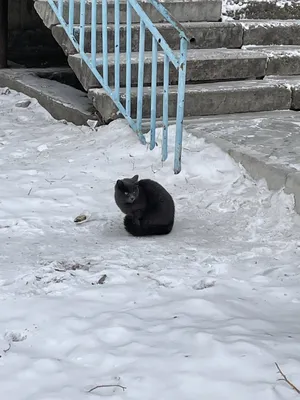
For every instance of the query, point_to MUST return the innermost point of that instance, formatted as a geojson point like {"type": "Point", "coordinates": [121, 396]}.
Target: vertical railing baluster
{"type": "Point", "coordinates": [140, 91]}
{"type": "Point", "coordinates": [94, 33]}
{"type": "Point", "coordinates": [128, 57]}
{"type": "Point", "coordinates": [153, 92]}
{"type": "Point", "coordinates": [104, 42]}
{"type": "Point", "coordinates": [180, 104]}
{"type": "Point", "coordinates": [71, 17]}
{"type": "Point", "coordinates": [117, 49]}
{"type": "Point", "coordinates": [60, 7]}
{"type": "Point", "coordinates": [82, 26]}
{"type": "Point", "coordinates": [164, 154]}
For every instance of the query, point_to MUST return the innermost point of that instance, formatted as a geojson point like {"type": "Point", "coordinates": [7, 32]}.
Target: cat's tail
{"type": "Point", "coordinates": [144, 228]}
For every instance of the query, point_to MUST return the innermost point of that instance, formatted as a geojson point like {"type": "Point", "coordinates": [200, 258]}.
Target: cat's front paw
{"type": "Point", "coordinates": [137, 221]}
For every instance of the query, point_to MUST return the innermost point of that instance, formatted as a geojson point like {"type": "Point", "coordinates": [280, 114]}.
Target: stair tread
{"type": "Point", "coordinates": [192, 54]}
{"type": "Point", "coordinates": [277, 22]}
{"type": "Point", "coordinates": [125, 1]}
{"type": "Point", "coordinates": [167, 25]}
{"type": "Point", "coordinates": [286, 48]}
{"type": "Point", "coordinates": [214, 86]}
{"type": "Point", "coordinates": [211, 54]}
{"type": "Point", "coordinates": [216, 24]}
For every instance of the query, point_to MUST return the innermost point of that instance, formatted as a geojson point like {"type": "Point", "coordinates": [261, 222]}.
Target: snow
{"type": "Point", "coordinates": [204, 312]}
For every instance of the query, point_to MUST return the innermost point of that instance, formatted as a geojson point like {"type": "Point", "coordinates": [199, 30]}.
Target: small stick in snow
{"type": "Point", "coordinates": [106, 386]}
{"type": "Point", "coordinates": [28, 194]}
{"type": "Point", "coordinates": [286, 379]}
{"type": "Point", "coordinates": [9, 347]}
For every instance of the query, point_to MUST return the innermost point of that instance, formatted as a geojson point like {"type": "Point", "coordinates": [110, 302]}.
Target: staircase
{"type": "Point", "coordinates": [232, 67]}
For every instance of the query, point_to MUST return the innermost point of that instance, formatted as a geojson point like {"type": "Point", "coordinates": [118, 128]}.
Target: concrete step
{"type": "Point", "coordinates": [62, 101]}
{"type": "Point", "coordinates": [182, 10]}
{"type": "Point", "coordinates": [207, 35]}
{"type": "Point", "coordinates": [203, 66]}
{"type": "Point", "coordinates": [205, 99]}
{"type": "Point", "coordinates": [230, 34]}
{"type": "Point", "coordinates": [282, 60]}
{"type": "Point", "coordinates": [253, 9]}
{"type": "Point", "coordinates": [271, 32]}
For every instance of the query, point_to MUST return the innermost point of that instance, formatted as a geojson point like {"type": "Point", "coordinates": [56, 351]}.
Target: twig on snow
{"type": "Point", "coordinates": [106, 386]}
{"type": "Point", "coordinates": [286, 379]}
{"type": "Point", "coordinates": [28, 194]}
{"type": "Point", "coordinates": [6, 350]}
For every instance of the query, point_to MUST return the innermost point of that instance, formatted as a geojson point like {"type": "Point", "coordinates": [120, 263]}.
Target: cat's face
{"type": "Point", "coordinates": [129, 188]}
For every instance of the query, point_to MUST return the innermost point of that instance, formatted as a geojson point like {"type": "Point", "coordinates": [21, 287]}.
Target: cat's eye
{"type": "Point", "coordinates": [126, 193]}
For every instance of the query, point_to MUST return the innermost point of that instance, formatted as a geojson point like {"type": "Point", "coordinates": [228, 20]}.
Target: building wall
{"type": "Point", "coordinates": [30, 43]}
{"type": "Point", "coordinates": [22, 15]}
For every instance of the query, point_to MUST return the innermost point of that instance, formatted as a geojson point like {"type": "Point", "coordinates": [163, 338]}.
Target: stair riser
{"type": "Point", "coordinates": [271, 34]}
{"type": "Point", "coordinates": [286, 65]}
{"type": "Point", "coordinates": [197, 71]}
{"type": "Point", "coordinates": [183, 11]}
{"type": "Point", "coordinates": [208, 36]}
{"type": "Point", "coordinates": [201, 103]}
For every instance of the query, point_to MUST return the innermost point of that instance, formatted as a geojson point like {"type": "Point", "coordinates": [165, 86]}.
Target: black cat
{"type": "Point", "coordinates": [149, 208]}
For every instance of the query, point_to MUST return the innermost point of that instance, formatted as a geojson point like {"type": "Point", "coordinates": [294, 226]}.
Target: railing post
{"type": "Point", "coordinates": [71, 17]}
{"type": "Point", "coordinates": [117, 49]}
{"type": "Point", "coordinates": [140, 89]}
{"type": "Point", "coordinates": [104, 42]}
{"type": "Point", "coordinates": [180, 104]}
{"type": "Point", "coordinates": [82, 26]}
{"type": "Point", "coordinates": [128, 57]}
{"type": "Point", "coordinates": [153, 92]}
{"type": "Point", "coordinates": [3, 33]}
{"type": "Point", "coordinates": [94, 33]}
{"type": "Point", "coordinates": [164, 154]}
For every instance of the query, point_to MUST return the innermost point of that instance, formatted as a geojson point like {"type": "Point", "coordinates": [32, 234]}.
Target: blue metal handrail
{"type": "Point", "coordinates": [178, 60]}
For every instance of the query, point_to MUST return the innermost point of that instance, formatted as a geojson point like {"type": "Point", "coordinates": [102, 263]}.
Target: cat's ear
{"type": "Point", "coordinates": [120, 184]}
{"type": "Point", "coordinates": [135, 178]}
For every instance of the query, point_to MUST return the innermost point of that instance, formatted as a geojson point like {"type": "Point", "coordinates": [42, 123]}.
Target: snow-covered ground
{"type": "Point", "coordinates": [203, 313]}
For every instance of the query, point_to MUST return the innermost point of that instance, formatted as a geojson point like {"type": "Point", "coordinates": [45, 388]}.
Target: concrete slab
{"type": "Point", "coordinates": [292, 82]}
{"type": "Point", "coordinates": [182, 10]}
{"type": "Point", "coordinates": [271, 32]}
{"type": "Point", "coordinates": [63, 102]}
{"type": "Point", "coordinates": [208, 35]}
{"type": "Point", "coordinates": [282, 60]}
{"type": "Point", "coordinates": [266, 144]}
{"type": "Point", "coordinates": [253, 9]}
{"type": "Point", "coordinates": [204, 99]}
{"type": "Point", "coordinates": [203, 65]}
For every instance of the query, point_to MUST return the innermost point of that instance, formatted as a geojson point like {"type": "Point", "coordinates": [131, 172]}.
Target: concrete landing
{"type": "Point", "coordinates": [267, 144]}
{"type": "Point", "coordinates": [62, 101]}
